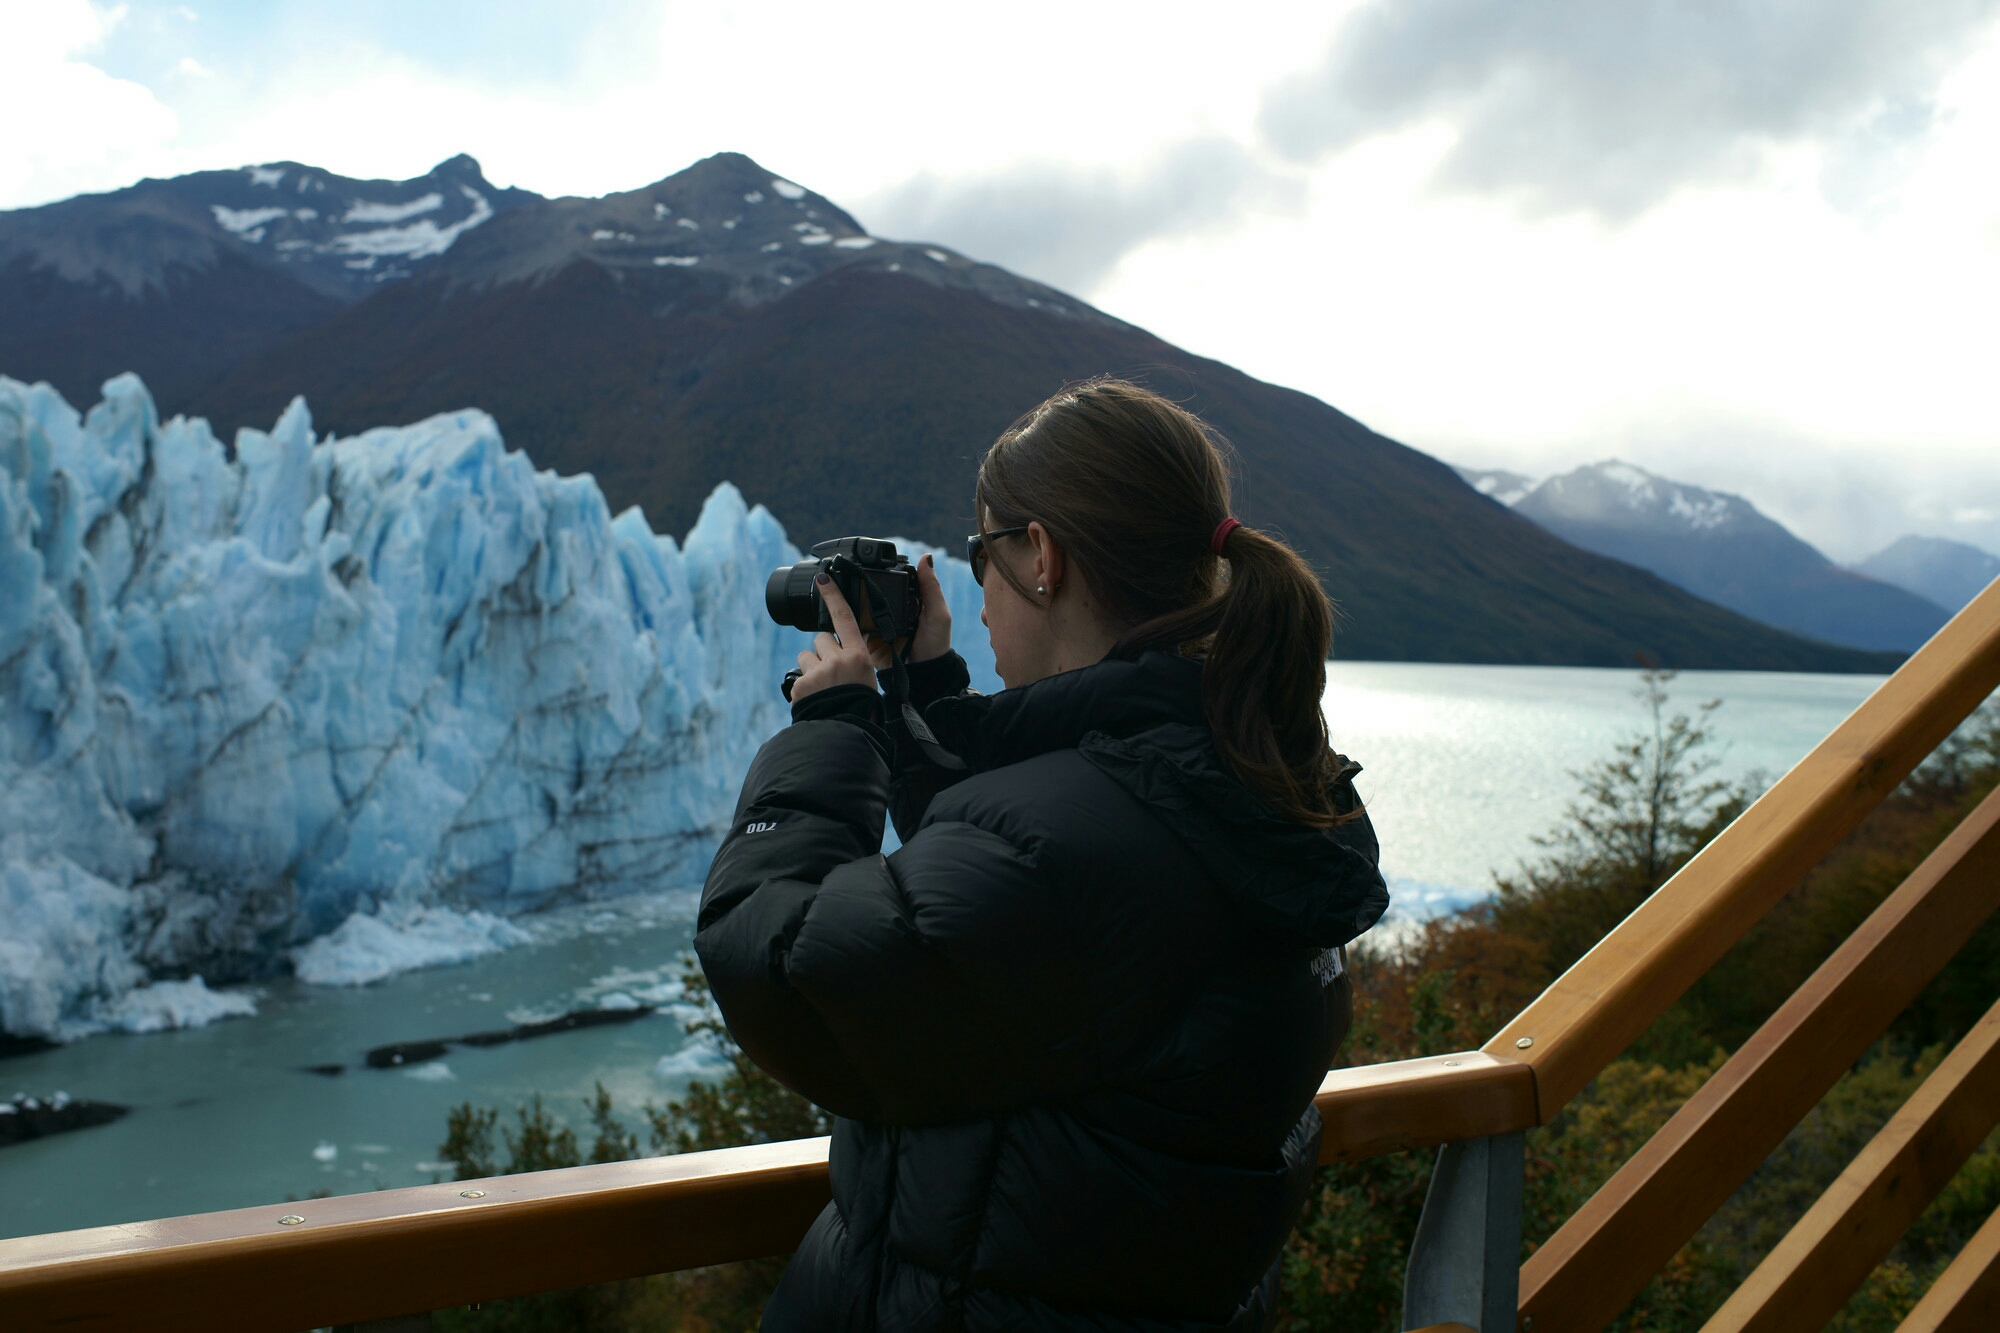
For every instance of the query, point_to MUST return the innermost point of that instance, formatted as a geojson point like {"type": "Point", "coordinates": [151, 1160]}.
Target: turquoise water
{"type": "Point", "coordinates": [1463, 766]}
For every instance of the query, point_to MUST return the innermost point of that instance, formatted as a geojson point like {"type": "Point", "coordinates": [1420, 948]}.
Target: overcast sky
{"type": "Point", "coordinates": [1754, 246]}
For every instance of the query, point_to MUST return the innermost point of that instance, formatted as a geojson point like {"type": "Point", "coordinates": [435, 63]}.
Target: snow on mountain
{"type": "Point", "coordinates": [401, 676]}
{"type": "Point", "coordinates": [1498, 483]}
{"type": "Point", "coordinates": [725, 225]}
{"type": "Point", "coordinates": [1721, 547]}
{"type": "Point", "coordinates": [1947, 572]}
{"type": "Point", "coordinates": [1612, 492]}
{"type": "Point", "coordinates": [337, 235]}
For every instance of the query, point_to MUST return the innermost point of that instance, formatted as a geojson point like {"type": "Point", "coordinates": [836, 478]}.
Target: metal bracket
{"type": "Point", "coordinates": [1465, 1263]}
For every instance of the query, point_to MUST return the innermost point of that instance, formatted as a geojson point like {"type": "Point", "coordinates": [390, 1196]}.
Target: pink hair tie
{"type": "Point", "coordinates": [1222, 531]}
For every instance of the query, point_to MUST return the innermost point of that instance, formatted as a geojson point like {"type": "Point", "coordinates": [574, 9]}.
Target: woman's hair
{"type": "Point", "coordinates": [1133, 488]}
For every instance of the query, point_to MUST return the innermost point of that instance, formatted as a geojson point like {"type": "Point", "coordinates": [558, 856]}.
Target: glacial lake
{"type": "Point", "coordinates": [1463, 766]}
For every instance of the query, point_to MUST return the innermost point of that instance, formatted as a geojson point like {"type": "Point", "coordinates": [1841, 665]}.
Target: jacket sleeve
{"type": "Point", "coordinates": [933, 985]}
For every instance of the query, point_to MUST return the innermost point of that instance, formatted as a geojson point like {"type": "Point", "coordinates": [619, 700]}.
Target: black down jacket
{"type": "Point", "coordinates": [1072, 1028]}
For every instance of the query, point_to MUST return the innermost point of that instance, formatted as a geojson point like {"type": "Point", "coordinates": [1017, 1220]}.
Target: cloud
{"type": "Point", "coordinates": [1581, 106]}
{"type": "Point", "coordinates": [86, 124]}
{"type": "Point", "coordinates": [1069, 224]}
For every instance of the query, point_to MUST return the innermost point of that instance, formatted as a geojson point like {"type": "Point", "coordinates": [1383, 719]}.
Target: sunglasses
{"type": "Point", "coordinates": [975, 550]}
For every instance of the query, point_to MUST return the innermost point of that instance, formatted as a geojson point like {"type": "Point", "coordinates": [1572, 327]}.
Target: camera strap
{"type": "Point", "coordinates": [899, 691]}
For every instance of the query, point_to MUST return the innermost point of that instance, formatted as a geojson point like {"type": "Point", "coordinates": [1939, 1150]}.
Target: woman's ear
{"type": "Point", "coordinates": [1048, 571]}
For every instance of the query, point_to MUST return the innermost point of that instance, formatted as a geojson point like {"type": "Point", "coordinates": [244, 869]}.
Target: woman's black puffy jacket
{"type": "Point", "coordinates": [1071, 1029]}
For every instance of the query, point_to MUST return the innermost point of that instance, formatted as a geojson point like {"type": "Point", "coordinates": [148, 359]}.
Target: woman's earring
{"type": "Point", "coordinates": [1040, 591]}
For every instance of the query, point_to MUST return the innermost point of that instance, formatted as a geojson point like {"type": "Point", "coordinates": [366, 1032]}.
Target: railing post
{"type": "Point", "coordinates": [1465, 1264]}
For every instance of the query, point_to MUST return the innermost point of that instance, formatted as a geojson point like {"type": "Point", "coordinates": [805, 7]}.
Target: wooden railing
{"type": "Point", "coordinates": [372, 1256]}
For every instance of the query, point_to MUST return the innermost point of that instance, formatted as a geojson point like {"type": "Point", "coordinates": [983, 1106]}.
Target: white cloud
{"type": "Point", "coordinates": [1829, 305]}
{"type": "Point", "coordinates": [72, 126]}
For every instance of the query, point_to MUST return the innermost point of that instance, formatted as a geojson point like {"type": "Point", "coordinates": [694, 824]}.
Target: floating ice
{"type": "Point", "coordinates": [785, 190]}
{"type": "Point", "coordinates": [167, 1005]}
{"type": "Point", "coordinates": [437, 1071]}
{"type": "Point", "coordinates": [698, 1059]}
{"type": "Point", "coordinates": [349, 702]}
{"type": "Point", "coordinates": [369, 947]}
{"type": "Point", "coordinates": [771, 247]}
{"type": "Point", "coordinates": [325, 1152]}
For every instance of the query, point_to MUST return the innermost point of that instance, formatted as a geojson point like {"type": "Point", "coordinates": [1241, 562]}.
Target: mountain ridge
{"type": "Point", "coordinates": [1943, 571]}
{"type": "Point", "coordinates": [851, 382]}
{"type": "Point", "coordinates": [1721, 547]}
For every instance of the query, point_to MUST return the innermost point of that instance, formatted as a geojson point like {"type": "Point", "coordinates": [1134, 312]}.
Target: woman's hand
{"type": "Point", "coordinates": [933, 636]}
{"type": "Point", "coordinates": [845, 657]}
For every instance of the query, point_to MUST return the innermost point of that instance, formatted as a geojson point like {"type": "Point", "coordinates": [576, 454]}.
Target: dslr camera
{"type": "Point", "coordinates": [878, 583]}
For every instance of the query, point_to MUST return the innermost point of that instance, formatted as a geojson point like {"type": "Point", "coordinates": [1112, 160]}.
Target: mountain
{"type": "Point", "coordinates": [1498, 483]}
{"type": "Point", "coordinates": [728, 324]}
{"type": "Point", "coordinates": [179, 280]}
{"type": "Point", "coordinates": [1720, 547]}
{"type": "Point", "coordinates": [1946, 572]}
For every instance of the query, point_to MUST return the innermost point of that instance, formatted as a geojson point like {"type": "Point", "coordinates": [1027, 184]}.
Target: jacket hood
{"type": "Point", "coordinates": [1143, 725]}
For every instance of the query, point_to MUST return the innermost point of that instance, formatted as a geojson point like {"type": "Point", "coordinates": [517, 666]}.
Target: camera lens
{"type": "Point", "coordinates": [790, 597]}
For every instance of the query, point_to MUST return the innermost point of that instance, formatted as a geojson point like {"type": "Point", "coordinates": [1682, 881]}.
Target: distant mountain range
{"type": "Point", "coordinates": [1947, 572]}
{"type": "Point", "coordinates": [1720, 547]}
{"type": "Point", "coordinates": [728, 324]}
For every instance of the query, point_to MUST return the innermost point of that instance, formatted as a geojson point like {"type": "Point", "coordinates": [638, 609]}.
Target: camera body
{"type": "Point", "coordinates": [878, 582]}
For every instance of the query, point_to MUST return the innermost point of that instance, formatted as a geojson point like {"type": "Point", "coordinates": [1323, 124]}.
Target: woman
{"type": "Point", "coordinates": [1073, 1027]}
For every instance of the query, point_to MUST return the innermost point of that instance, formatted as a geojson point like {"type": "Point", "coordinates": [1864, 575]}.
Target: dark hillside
{"type": "Point", "coordinates": [862, 400]}
{"type": "Point", "coordinates": [728, 324]}
{"type": "Point", "coordinates": [180, 336]}
{"type": "Point", "coordinates": [183, 279]}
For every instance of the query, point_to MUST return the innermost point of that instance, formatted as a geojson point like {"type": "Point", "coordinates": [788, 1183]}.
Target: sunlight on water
{"type": "Point", "coordinates": [1465, 764]}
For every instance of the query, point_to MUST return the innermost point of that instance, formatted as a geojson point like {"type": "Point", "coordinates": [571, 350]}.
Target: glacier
{"type": "Point", "coordinates": [346, 705]}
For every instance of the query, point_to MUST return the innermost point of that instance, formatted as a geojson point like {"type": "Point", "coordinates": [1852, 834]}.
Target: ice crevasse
{"type": "Point", "coordinates": [399, 685]}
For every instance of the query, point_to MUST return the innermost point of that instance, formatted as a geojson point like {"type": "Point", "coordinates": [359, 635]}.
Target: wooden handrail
{"type": "Point", "coordinates": [1610, 1247]}
{"type": "Point", "coordinates": [1804, 1281]}
{"type": "Point", "coordinates": [1966, 1296]}
{"type": "Point", "coordinates": [1374, 1109]}
{"type": "Point", "coordinates": [1613, 993]}
{"type": "Point", "coordinates": [432, 1246]}
{"type": "Point", "coordinates": [372, 1256]}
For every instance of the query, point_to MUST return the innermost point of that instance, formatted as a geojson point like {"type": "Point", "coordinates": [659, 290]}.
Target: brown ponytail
{"type": "Point", "coordinates": [1133, 488]}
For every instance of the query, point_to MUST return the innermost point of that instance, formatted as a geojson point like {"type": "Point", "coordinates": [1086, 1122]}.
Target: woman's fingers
{"type": "Point", "coordinates": [842, 660]}
{"type": "Point", "coordinates": [930, 590]}
{"type": "Point", "coordinates": [844, 623]}
{"type": "Point", "coordinates": [933, 636]}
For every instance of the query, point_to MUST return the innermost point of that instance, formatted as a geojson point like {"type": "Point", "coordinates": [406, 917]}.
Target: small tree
{"type": "Point", "coordinates": [1638, 817]}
